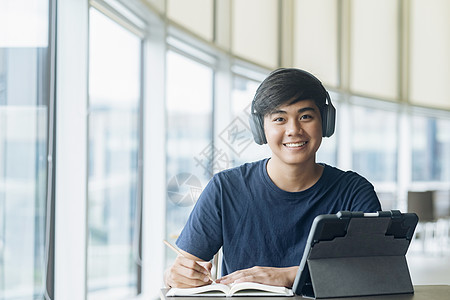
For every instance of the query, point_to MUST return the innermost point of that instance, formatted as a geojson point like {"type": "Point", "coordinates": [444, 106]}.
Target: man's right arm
{"type": "Point", "coordinates": [202, 232]}
{"type": "Point", "coordinates": [188, 271]}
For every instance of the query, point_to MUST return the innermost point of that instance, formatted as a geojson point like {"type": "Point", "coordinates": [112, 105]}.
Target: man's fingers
{"type": "Point", "coordinates": [179, 280]}
{"type": "Point", "coordinates": [198, 267]}
{"type": "Point", "coordinates": [186, 272]}
{"type": "Point", "coordinates": [208, 267]}
{"type": "Point", "coordinates": [205, 264]}
{"type": "Point", "coordinates": [255, 274]}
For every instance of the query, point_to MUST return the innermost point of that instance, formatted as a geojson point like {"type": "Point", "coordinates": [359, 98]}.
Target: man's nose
{"type": "Point", "coordinates": [293, 127]}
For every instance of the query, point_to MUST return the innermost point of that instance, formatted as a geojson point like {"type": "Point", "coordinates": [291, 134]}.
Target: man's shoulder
{"type": "Point", "coordinates": [244, 170]}
{"type": "Point", "coordinates": [361, 192]}
{"type": "Point", "coordinates": [334, 173]}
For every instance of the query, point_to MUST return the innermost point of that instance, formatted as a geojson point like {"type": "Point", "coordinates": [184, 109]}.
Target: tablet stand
{"type": "Point", "coordinates": [368, 260]}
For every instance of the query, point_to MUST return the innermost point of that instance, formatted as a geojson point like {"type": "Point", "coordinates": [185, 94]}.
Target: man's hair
{"type": "Point", "coordinates": [288, 86]}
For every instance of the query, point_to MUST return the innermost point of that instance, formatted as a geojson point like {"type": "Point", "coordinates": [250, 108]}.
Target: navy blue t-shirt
{"type": "Point", "coordinates": [258, 224]}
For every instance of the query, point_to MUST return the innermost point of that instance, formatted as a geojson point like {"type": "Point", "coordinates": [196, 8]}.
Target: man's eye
{"type": "Point", "coordinates": [279, 119]}
{"type": "Point", "coordinates": [305, 117]}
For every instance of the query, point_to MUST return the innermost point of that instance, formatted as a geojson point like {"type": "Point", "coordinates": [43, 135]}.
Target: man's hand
{"type": "Point", "coordinates": [188, 271]}
{"type": "Point", "coordinates": [265, 275]}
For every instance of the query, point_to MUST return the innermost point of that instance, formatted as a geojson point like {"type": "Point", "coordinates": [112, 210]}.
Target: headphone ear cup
{"type": "Point", "coordinates": [257, 128]}
{"type": "Point", "coordinates": [328, 120]}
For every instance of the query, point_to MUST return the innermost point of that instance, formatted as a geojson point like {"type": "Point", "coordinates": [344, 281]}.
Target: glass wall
{"type": "Point", "coordinates": [190, 147]}
{"type": "Point", "coordinates": [237, 135]}
{"type": "Point", "coordinates": [328, 149]}
{"type": "Point", "coordinates": [113, 179]}
{"type": "Point", "coordinates": [430, 149]}
{"type": "Point", "coordinates": [374, 147]}
{"type": "Point", "coordinates": [24, 101]}
{"type": "Point", "coordinates": [374, 142]}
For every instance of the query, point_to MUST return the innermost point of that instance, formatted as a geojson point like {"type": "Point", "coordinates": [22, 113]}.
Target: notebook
{"type": "Point", "coordinates": [237, 289]}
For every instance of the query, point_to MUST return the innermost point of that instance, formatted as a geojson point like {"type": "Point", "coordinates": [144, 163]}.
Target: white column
{"type": "Point", "coordinates": [154, 160]}
{"type": "Point", "coordinates": [71, 145]}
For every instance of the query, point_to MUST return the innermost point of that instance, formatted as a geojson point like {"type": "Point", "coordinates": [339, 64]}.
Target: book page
{"type": "Point", "coordinates": [209, 290]}
{"type": "Point", "coordinates": [257, 289]}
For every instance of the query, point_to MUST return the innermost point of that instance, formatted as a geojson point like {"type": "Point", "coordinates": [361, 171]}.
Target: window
{"type": "Point", "coordinates": [113, 149]}
{"type": "Point", "coordinates": [430, 149]}
{"type": "Point", "coordinates": [190, 148]}
{"type": "Point", "coordinates": [24, 101]}
{"type": "Point", "coordinates": [374, 142]}
{"type": "Point", "coordinates": [238, 134]}
{"type": "Point", "coordinates": [328, 149]}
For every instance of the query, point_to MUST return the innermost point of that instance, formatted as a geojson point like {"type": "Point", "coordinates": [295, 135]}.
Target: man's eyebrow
{"type": "Point", "coordinates": [278, 112]}
{"type": "Point", "coordinates": [301, 110]}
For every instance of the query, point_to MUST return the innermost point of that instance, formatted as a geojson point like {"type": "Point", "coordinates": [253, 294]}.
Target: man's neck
{"type": "Point", "coordinates": [294, 178]}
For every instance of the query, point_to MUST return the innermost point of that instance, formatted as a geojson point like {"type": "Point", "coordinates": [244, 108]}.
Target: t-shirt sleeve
{"type": "Point", "coordinates": [364, 197]}
{"type": "Point", "coordinates": [202, 234]}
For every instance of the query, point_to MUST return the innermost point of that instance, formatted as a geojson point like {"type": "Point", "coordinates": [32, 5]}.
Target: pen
{"type": "Point", "coordinates": [179, 252]}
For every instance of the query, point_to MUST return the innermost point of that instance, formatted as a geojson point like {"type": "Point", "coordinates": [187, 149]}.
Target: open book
{"type": "Point", "coordinates": [237, 289]}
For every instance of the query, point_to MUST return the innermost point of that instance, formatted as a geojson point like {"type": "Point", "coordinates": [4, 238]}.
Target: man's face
{"type": "Point", "coordinates": [294, 132]}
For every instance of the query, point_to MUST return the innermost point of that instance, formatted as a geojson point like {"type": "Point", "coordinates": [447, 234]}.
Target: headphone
{"type": "Point", "coordinates": [328, 114]}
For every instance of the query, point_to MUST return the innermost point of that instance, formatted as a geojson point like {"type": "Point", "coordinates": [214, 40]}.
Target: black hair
{"type": "Point", "coordinates": [288, 86]}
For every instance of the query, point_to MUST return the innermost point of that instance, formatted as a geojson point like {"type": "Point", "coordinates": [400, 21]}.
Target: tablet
{"type": "Point", "coordinates": [356, 254]}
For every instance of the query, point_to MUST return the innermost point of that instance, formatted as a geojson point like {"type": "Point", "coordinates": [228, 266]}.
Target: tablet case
{"type": "Point", "coordinates": [357, 254]}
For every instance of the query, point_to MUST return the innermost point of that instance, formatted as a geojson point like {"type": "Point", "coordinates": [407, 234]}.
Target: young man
{"type": "Point", "coordinates": [261, 212]}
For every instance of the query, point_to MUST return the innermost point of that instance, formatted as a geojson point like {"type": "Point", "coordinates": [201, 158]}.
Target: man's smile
{"type": "Point", "coordinates": [295, 145]}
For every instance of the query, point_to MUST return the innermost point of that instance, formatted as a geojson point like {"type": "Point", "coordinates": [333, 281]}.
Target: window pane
{"type": "Point", "coordinates": [114, 94]}
{"type": "Point", "coordinates": [237, 135]}
{"type": "Point", "coordinates": [443, 149]}
{"type": "Point", "coordinates": [328, 149]}
{"type": "Point", "coordinates": [24, 99]}
{"type": "Point", "coordinates": [430, 149]}
{"type": "Point", "coordinates": [374, 142]}
{"type": "Point", "coordinates": [24, 23]}
{"type": "Point", "coordinates": [189, 139]}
